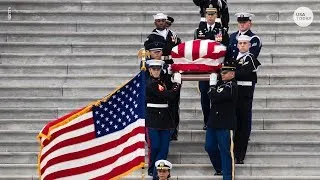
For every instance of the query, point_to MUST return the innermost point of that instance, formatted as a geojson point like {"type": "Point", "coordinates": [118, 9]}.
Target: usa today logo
{"type": "Point", "coordinates": [303, 16]}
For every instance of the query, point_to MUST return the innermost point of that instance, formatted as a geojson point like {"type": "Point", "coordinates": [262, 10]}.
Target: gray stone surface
{"type": "Point", "coordinates": [58, 55]}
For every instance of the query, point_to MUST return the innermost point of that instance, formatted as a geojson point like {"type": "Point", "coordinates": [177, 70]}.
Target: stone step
{"type": "Point", "coordinates": [90, 47]}
{"type": "Point", "coordinates": [103, 59]}
{"type": "Point", "coordinates": [118, 79]}
{"type": "Point", "coordinates": [131, 16]}
{"type": "Point", "coordinates": [185, 113]}
{"type": "Point", "coordinates": [151, 5]}
{"type": "Point", "coordinates": [52, 26]}
{"type": "Point", "coordinates": [193, 135]}
{"type": "Point", "coordinates": [180, 146]}
{"type": "Point", "coordinates": [194, 124]}
{"type": "Point", "coordinates": [187, 91]}
{"type": "Point", "coordinates": [133, 67]}
{"type": "Point", "coordinates": [273, 158]}
{"type": "Point", "coordinates": [197, 170]}
{"type": "Point", "coordinates": [185, 102]}
{"type": "Point", "coordinates": [301, 36]}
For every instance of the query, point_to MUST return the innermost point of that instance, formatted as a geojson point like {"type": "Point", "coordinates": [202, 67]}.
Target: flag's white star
{"type": "Point", "coordinates": [124, 123]}
{"type": "Point", "coordinates": [101, 115]}
{"type": "Point", "coordinates": [110, 112]}
{"type": "Point", "coordinates": [119, 120]}
{"type": "Point", "coordinates": [115, 116]}
{"type": "Point", "coordinates": [118, 109]}
{"type": "Point", "coordinates": [110, 122]}
{"type": "Point", "coordinates": [98, 122]}
{"type": "Point", "coordinates": [115, 126]}
{"type": "Point", "coordinates": [97, 112]}
{"type": "Point", "coordinates": [98, 132]}
{"type": "Point", "coordinates": [107, 119]}
{"type": "Point", "coordinates": [130, 99]}
{"type": "Point", "coordinates": [138, 85]}
{"type": "Point", "coordinates": [122, 92]}
{"type": "Point", "coordinates": [136, 116]}
{"type": "Point", "coordinates": [127, 106]}
{"type": "Point", "coordinates": [123, 113]}
{"type": "Point", "coordinates": [109, 102]}
{"type": "Point", "coordinates": [101, 106]}
{"type": "Point", "coordinates": [102, 125]}
{"type": "Point", "coordinates": [107, 129]}
{"type": "Point", "coordinates": [134, 92]}
{"type": "Point", "coordinates": [105, 109]}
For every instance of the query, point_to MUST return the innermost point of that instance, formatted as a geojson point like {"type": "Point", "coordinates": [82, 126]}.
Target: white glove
{"type": "Point", "coordinates": [176, 78]}
{"type": "Point", "coordinates": [213, 79]}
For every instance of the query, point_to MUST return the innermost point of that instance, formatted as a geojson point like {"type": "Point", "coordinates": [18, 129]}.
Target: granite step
{"type": "Point", "coordinates": [96, 5]}
{"type": "Point", "coordinates": [197, 170]}
{"type": "Point", "coordinates": [273, 158]}
{"type": "Point", "coordinates": [45, 26]}
{"type": "Point", "coordinates": [193, 135]}
{"type": "Point", "coordinates": [188, 90]}
{"type": "Point", "coordinates": [185, 124]}
{"type": "Point", "coordinates": [105, 58]}
{"type": "Point", "coordinates": [108, 47]}
{"type": "Point", "coordinates": [131, 16]}
{"type": "Point", "coordinates": [185, 102]}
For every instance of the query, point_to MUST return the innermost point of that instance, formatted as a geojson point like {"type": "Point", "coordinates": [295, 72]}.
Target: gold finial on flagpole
{"type": "Point", "coordinates": [143, 54]}
{"type": "Point", "coordinates": [142, 173]}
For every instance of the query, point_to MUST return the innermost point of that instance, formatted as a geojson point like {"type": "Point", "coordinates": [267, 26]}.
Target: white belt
{"type": "Point", "coordinates": [157, 105]}
{"type": "Point", "coordinates": [166, 57]}
{"type": "Point", "coordinates": [244, 83]}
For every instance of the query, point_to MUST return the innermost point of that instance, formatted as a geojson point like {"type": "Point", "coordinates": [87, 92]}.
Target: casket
{"type": "Point", "coordinates": [198, 57]}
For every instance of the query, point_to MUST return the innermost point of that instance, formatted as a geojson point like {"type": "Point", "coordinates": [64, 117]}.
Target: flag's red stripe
{"type": "Point", "coordinates": [181, 49]}
{"type": "Point", "coordinates": [68, 129]}
{"type": "Point", "coordinates": [195, 49]}
{"type": "Point", "coordinates": [96, 165]}
{"type": "Point", "coordinates": [210, 49]}
{"type": "Point", "coordinates": [74, 127]}
{"type": "Point", "coordinates": [121, 169]}
{"type": "Point", "coordinates": [79, 139]}
{"type": "Point", "coordinates": [52, 123]}
{"type": "Point", "coordinates": [92, 150]}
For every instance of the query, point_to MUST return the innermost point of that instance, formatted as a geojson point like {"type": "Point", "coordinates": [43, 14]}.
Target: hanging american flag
{"type": "Point", "coordinates": [105, 140]}
{"type": "Point", "coordinates": [198, 56]}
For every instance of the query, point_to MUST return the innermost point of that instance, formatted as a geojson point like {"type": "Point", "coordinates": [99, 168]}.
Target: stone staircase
{"type": "Point", "coordinates": [58, 55]}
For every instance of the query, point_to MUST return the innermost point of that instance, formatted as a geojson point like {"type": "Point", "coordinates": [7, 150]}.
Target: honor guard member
{"type": "Point", "coordinates": [159, 34]}
{"type": "Point", "coordinates": [163, 168]}
{"type": "Point", "coordinates": [212, 31]}
{"type": "Point", "coordinates": [159, 123]}
{"type": "Point", "coordinates": [222, 122]}
{"type": "Point", "coordinates": [244, 25]}
{"type": "Point", "coordinates": [246, 76]}
{"type": "Point", "coordinates": [220, 5]}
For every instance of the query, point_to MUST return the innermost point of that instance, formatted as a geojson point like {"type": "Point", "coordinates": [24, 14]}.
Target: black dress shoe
{"type": "Point", "coordinates": [204, 127]}
{"type": "Point", "coordinates": [218, 173]}
{"type": "Point", "coordinates": [174, 137]}
{"type": "Point", "coordinates": [239, 162]}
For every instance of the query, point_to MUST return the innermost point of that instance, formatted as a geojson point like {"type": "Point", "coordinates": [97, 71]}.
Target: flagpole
{"type": "Point", "coordinates": [143, 54]}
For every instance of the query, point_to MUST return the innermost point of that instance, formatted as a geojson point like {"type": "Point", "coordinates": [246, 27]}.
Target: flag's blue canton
{"type": "Point", "coordinates": [121, 109]}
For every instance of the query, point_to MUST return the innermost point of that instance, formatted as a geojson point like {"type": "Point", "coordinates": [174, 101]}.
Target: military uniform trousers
{"type": "Point", "coordinates": [205, 100]}
{"type": "Point", "coordinates": [244, 122]}
{"type": "Point", "coordinates": [219, 146]}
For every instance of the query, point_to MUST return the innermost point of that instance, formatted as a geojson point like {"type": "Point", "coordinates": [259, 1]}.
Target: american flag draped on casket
{"type": "Point", "coordinates": [198, 56]}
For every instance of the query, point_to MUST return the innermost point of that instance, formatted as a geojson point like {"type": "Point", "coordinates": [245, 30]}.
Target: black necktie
{"type": "Point", "coordinates": [210, 28]}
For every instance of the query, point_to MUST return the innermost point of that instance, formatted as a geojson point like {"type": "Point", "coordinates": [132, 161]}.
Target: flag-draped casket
{"type": "Point", "coordinates": [198, 56]}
